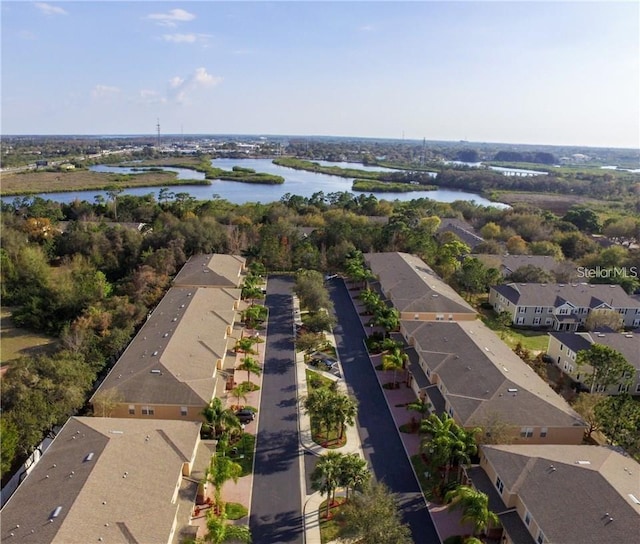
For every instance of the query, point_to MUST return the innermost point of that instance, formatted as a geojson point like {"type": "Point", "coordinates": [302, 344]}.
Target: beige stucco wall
{"type": "Point", "coordinates": [160, 412]}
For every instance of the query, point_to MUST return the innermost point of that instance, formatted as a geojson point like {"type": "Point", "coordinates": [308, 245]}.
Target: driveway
{"type": "Point", "coordinates": [381, 441]}
{"type": "Point", "coordinates": [276, 504]}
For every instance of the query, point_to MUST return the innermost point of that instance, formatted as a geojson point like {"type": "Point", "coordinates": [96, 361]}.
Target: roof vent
{"type": "Point", "coordinates": [55, 513]}
{"type": "Point", "coordinates": [156, 371]}
{"type": "Point", "coordinates": [512, 390]}
{"type": "Point", "coordinates": [154, 353]}
{"type": "Point", "coordinates": [634, 498]}
{"type": "Point", "coordinates": [174, 319]}
{"type": "Point", "coordinates": [88, 457]}
{"type": "Point", "coordinates": [583, 462]}
{"type": "Point", "coordinates": [165, 335]}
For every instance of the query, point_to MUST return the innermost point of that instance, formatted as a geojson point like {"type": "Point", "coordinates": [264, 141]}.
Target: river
{"type": "Point", "coordinates": [297, 182]}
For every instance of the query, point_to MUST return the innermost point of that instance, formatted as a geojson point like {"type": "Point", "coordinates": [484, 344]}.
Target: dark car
{"type": "Point", "coordinates": [245, 416]}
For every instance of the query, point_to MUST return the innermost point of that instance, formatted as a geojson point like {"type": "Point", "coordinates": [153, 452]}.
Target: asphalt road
{"type": "Point", "coordinates": [381, 442]}
{"type": "Point", "coordinates": [276, 503]}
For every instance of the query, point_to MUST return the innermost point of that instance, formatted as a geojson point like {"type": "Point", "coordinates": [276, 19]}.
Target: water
{"type": "Point", "coordinates": [357, 166]}
{"type": "Point", "coordinates": [501, 169]}
{"type": "Point", "coordinates": [297, 182]}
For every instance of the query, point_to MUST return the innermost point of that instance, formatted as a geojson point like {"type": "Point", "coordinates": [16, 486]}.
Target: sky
{"type": "Point", "coordinates": [547, 73]}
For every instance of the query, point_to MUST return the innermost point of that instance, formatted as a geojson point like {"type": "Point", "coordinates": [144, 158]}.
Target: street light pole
{"type": "Point", "coordinates": [242, 426]}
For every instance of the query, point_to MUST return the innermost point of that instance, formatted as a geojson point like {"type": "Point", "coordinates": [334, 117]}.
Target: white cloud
{"type": "Point", "coordinates": [180, 88]}
{"type": "Point", "coordinates": [172, 17]}
{"type": "Point", "coordinates": [104, 91]}
{"type": "Point", "coordinates": [148, 96]}
{"type": "Point", "coordinates": [180, 38]}
{"type": "Point", "coordinates": [186, 38]}
{"type": "Point", "coordinates": [48, 9]}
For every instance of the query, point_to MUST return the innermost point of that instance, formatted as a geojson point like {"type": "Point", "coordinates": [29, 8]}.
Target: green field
{"type": "Point", "coordinates": [17, 342]}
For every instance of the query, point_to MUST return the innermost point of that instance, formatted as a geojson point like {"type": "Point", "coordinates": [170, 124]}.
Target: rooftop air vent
{"type": "Point", "coordinates": [55, 513]}
{"type": "Point", "coordinates": [583, 462]}
{"type": "Point", "coordinates": [512, 390]}
{"type": "Point", "coordinates": [88, 457]}
{"type": "Point", "coordinates": [156, 371]}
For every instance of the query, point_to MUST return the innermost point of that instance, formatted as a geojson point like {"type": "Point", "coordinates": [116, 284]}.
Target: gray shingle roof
{"type": "Point", "coordinates": [414, 287]}
{"type": "Point", "coordinates": [572, 491]}
{"type": "Point", "coordinates": [478, 370]}
{"type": "Point", "coordinates": [510, 263]}
{"type": "Point", "coordinates": [462, 230]}
{"type": "Point", "coordinates": [627, 343]}
{"type": "Point", "coordinates": [215, 270]}
{"type": "Point", "coordinates": [582, 295]}
{"type": "Point", "coordinates": [172, 359]}
{"type": "Point", "coordinates": [95, 499]}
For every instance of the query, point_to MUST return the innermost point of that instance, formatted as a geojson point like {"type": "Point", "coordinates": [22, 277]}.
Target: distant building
{"type": "Point", "coordinates": [462, 230]}
{"type": "Point", "coordinates": [560, 494]}
{"type": "Point", "coordinates": [564, 347]}
{"type": "Point", "coordinates": [562, 307]}
{"type": "Point", "coordinates": [508, 264]}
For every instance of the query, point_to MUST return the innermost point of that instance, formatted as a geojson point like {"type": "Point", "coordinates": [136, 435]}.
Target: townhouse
{"type": "Point", "coordinates": [415, 290]}
{"type": "Point", "coordinates": [467, 371]}
{"type": "Point", "coordinates": [109, 480]}
{"type": "Point", "coordinates": [508, 264]}
{"type": "Point", "coordinates": [179, 359]}
{"type": "Point", "coordinates": [568, 494]}
{"type": "Point", "coordinates": [564, 347]}
{"type": "Point", "coordinates": [562, 307]}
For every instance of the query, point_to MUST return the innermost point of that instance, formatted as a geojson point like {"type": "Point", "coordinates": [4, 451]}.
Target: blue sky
{"type": "Point", "coordinates": [521, 72]}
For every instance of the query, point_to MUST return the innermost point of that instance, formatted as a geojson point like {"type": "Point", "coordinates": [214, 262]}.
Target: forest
{"type": "Point", "coordinates": [74, 272]}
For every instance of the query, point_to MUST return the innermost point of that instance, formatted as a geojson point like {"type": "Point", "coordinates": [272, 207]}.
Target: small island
{"type": "Point", "coordinates": [372, 186]}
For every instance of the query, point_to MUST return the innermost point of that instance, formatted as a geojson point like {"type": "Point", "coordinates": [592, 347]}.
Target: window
{"type": "Point", "coordinates": [147, 410]}
{"type": "Point", "coordinates": [536, 321]}
{"type": "Point", "coordinates": [527, 518]}
{"type": "Point", "coordinates": [439, 317]}
{"type": "Point", "coordinates": [543, 432]}
{"type": "Point", "coordinates": [132, 410]}
{"type": "Point", "coordinates": [499, 485]}
{"type": "Point", "coordinates": [548, 321]}
{"type": "Point", "coordinates": [600, 388]}
{"type": "Point", "coordinates": [183, 410]}
{"type": "Point", "coordinates": [451, 412]}
{"type": "Point", "coordinates": [538, 309]}
{"type": "Point", "coordinates": [520, 320]}
{"type": "Point", "coordinates": [526, 432]}
{"type": "Point", "coordinates": [623, 388]}
{"type": "Point", "coordinates": [540, 538]}
{"type": "Point", "coordinates": [638, 388]}
{"type": "Point", "coordinates": [522, 310]}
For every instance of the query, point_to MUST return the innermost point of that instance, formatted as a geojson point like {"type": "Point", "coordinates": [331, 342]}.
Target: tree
{"type": "Point", "coordinates": [344, 410]}
{"type": "Point", "coordinates": [585, 404]}
{"type": "Point", "coordinates": [619, 417]}
{"type": "Point", "coordinates": [474, 505]}
{"type": "Point", "coordinates": [353, 472]}
{"type": "Point", "coordinates": [320, 321]}
{"type": "Point", "coordinates": [309, 341]}
{"type": "Point", "coordinates": [240, 392]}
{"type": "Point", "coordinates": [531, 274]}
{"type": "Point", "coordinates": [386, 317]}
{"type": "Point", "coordinates": [218, 419]}
{"type": "Point", "coordinates": [585, 219]}
{"type": "Point", "coordinates": [105, 402]}
{"type": "Point", "coordinates": [251, 366]}
{"type": "Point", "coordinates": [599, 319]}
{"type": "Point", "coordinates": [606, 367]}
{"type": "Point", "coordinates": [221, 469]}
{"type": "Point", "coordinates": [254, 315]}
{"type": "Point", "coordinates": [245, 345]}
{"type": "Point", "coordinates": [516, 245]}
{"type": "Point", "coordinates": [318, 404]}
{"type": "Point", "coordinates": [422, 406]}
{"type": "Point", "coordinates": [9, 438]}
{"type": "Point", "coordinates": [113, 192]}
{"type": "Point", "coordinates": [220, 531]}
{"type": "Point", "coordinates": [325, 477]}
{"type": "Point", "coordinates": [372, 516]}
{"type": "Point", "coordinates": [396, 360]}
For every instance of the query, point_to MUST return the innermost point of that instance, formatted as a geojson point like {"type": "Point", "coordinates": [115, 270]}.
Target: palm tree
{"type": "Point", "coordinates": [395, 361]}
{"type": "Point", "coordinates": [253, 315]}
{"type": "Point", "coordinates": [371, 300]}
{"type": "Point", "coordinates": [222, 468]}
{"type": "Point", "coordinates": [474, 505]}
{"type": "Point", "coordinates": [325, 476]}
{"type": "Point", "coordinates": [245, 345]}
{"type": "Point", "coordinates": [386, 317]}
{"type": "Point", "coordinates": [251, 292]}
{"type": "Point", "coordinates": [220, 531]}
{"type": "Point", "coordinates": [421, 406]}
{"type": "Point", "coordinates": [219, 419]}
{"type": "Point", "coordinates": [251, 366]}
{"type": "Point", "coordinates": [353, 472]}
{"type": "Point", "coordinates": [318, 405]}
{"type": "Point", "coordinates": [344, 409]}
{"type": "Point", "coordinates": [240, 392]}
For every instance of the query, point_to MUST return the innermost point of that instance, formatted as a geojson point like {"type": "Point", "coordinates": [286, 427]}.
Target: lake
{"type": "Point", "coordinates": [297, 182]}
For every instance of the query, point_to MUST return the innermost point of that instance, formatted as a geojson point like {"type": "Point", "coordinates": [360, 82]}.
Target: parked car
{"type": "Point", "coordinates": [245, 416]}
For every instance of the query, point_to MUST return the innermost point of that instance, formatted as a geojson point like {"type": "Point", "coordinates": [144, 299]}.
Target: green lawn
{"type": "Point", "coordinates": [17, 342]}
{"type": "Point", "coordinates": [332, 528]}
{"type": "Point", "coordinates": [532, 340]}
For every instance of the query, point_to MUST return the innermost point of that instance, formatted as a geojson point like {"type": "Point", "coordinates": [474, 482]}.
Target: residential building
{"type": "Point", "coordinates": [170, 369]}
{"type": "Point", "coordinates": [560, 494]}
{"type": "Point", "coordinates": [211, 270]}
{"type": "Point", "coordinates": [508, 264]}
{"type": "Point", "coordinates": [109, 480]}
{"type": "Point", "coordinates": [467, 371]}
{"type": "Point", "coordinates": [562, 307]}
{"type": "Point", "coordinates": [564, 347]}
{"type": "Point", "coordinates": [415, 290]}
{"type": "Point", "coordinates": [461, 229]}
